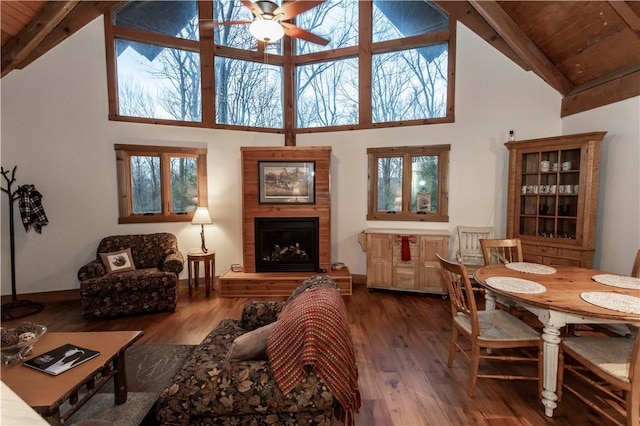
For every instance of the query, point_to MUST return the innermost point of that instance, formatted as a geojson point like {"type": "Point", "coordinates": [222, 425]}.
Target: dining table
{"type": "Point", "coordinates": [561, 295]}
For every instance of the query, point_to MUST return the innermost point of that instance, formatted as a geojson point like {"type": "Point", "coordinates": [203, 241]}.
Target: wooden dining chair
{"type": "Point", "coordinates": [625, 330]}
{"type": "Point", "coordinates": [609, 364]}
{"type": "Point", "coordinates": [469, 251]}
{"type": "Point", "coordinates": [635, 271]}
{"type": "Point", "coordinates": [495, 330]}
{"type": "Point", "coordinates": [495, 251]}
{"type": "Point", "coordinates": [499, 251]}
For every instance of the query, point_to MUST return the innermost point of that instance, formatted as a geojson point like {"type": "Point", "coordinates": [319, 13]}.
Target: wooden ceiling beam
{"type": "Point", "coordinates": [20, 46]}
{"type": "Point", "coordinates": [627, 14]}
{"type": "Point", "coordinates": [612, 91]}
{"type": "Point", "coordinates": [611, 77]}
{"type": "Point", "coordinates": [513, 35]}
{"type": "Point", "coordinates": [80, 16]}
{"type": "Point", "coordinates": [467, 15]}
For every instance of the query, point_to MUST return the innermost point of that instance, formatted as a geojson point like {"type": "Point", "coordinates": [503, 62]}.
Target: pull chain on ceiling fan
{"type": "Point", "coordinates": [267, 25]}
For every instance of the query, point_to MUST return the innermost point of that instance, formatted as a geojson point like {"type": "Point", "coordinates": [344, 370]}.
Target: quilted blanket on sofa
{"type": "Point", "coordinates": [312, 333]}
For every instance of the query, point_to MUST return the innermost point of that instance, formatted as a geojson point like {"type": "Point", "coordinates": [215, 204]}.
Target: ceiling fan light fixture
{"type": "Point", "coordinates": [266, 30]}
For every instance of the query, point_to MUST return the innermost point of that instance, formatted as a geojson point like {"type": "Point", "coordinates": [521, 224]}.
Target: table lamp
{"type": "Point", "coordinates": [201, 217]}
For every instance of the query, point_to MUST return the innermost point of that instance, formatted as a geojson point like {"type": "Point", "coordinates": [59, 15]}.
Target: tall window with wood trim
{"type": "Point", "coordinates": [409, 183]}
{"type": "Point", "coordinates": [195, 63]}
{"type": "Point", "coordinates": [160, 184]}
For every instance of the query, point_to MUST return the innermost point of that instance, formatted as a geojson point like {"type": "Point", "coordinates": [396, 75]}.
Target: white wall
{"type": "Point", "coordinates": [618, 220]}
{"type": "Point", "coordinates": [55, 127]}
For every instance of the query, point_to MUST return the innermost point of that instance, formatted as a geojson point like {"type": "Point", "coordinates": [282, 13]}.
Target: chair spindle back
{"type": "Point", "coordinates": [496, 251]}
{"type": "Point", "coordinates": [460, 291]}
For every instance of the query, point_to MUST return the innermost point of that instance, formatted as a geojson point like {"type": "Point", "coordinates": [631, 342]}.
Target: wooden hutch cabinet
{"type": "Point", "coordinates": [553, 197]}
{"type": "Point", "coordinates": [418, 272]}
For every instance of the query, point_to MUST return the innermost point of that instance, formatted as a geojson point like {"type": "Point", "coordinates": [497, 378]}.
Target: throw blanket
{"type": "Point", "coordinates": [312, 334]}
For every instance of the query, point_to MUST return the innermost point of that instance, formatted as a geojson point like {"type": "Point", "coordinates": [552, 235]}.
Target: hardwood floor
{"type": "Point", "coordinates": [401, 342]}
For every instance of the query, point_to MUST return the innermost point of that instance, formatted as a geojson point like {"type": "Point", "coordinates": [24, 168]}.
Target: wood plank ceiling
{"type": "Point", "coordinates": [589, 51]}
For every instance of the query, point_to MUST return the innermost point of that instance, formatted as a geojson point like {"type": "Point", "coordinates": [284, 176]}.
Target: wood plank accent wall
{"type": "Point", "coordinates": [251, 207]}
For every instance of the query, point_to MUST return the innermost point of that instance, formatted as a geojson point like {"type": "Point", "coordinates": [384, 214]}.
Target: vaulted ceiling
{"type": "Point", "coordinates": [589, 51]}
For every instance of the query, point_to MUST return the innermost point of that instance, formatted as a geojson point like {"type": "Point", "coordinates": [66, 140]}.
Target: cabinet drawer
{"type": "Point", "coordinates": [557, 261]}
{"type": "Point", "coordinates": [548, 251]}
{"type": "Point", "coordinates": [531, 258]}
{"type": "Point", "coordinates": [405, 278]}
{"type": "Point", "coordinates": [570, 254]}
{"type": "Point", "coordinates": [413, 249]}
{"type": "Point", "coordinates": [399, 263]}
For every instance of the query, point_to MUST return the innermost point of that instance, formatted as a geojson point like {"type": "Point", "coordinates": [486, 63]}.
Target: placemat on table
{"type": "Point", "coordinates": [515, 285]}
{"type": "Point", "coordinates": [618, 281]}
{"type": "Point", "coordinates": [531, 268]}
{"type": "Point", "coordinates": [614, 301]}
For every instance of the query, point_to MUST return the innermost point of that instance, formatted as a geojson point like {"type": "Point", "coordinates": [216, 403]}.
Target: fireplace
{"type": "Point", "coordinates": [287, 244]}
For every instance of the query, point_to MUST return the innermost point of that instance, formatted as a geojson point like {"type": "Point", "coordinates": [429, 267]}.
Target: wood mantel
{"type": "Point", "coordinates": [251, 207]}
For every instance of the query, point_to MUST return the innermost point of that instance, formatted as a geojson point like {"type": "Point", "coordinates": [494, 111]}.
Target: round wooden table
{"type": "Point", "coordinates": [560, 304]}
{"type": "Point", "coordinates": [209, 260]}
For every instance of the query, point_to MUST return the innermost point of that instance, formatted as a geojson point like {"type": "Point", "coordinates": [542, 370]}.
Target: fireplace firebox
{"type": "Point", "coordinates": [287, 244]}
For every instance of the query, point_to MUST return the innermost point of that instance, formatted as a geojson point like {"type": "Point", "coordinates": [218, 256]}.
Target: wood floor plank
{"type": "Point", "coordinates": [401, 342]}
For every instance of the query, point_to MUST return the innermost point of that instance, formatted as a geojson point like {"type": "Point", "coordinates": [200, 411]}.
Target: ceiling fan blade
{"type": "Point", "coordinates": [253, 7]}
{"type": "Point", "coordinates": [292, 9]}
{"type": "Point", "coordinates": [205, 23]}
{"type": "Point", "coordinates": [297, 32]}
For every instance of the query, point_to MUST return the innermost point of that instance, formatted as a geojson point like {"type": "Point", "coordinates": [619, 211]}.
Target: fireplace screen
{"type": "Point", "coordinates": [286, 245]}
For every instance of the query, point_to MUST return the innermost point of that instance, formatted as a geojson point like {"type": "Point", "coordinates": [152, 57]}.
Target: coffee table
{"type": "Point", "coordinates": [45, 393]}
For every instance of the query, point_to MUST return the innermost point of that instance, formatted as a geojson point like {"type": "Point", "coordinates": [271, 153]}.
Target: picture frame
{"type": "Point", "coordinates": [287, 182]}
{"type": "Point", "coordinates": [423, 202]}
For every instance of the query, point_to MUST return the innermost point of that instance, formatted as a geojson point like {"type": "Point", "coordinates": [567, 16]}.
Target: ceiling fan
{"type": "Point", "coordinates": [267, 25]}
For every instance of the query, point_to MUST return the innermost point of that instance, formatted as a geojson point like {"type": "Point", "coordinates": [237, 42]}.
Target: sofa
{"type": "Point", "coordinates": [131, 274]}
{"type": "Point", "coordinates": [213, 388]}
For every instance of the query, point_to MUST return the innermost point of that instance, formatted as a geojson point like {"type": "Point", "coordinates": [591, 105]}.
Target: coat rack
{"type": "Point", "coordinates": [16, 308]}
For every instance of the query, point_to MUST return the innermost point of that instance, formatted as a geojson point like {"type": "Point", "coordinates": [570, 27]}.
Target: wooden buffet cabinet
{"type": "Point", "coordinates": [553, 197]}
{"type": "Point", "coordinates": [420, 272]}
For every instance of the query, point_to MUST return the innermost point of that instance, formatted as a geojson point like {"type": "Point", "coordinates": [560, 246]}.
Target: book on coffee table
{"type": "Point", "coordinates": [61, 359]}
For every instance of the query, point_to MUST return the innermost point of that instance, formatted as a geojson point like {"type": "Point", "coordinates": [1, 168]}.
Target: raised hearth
{"type": "Point", "coordinates": [266, 284]}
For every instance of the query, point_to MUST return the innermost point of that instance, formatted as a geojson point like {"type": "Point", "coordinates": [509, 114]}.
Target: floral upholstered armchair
{"type": "Point", "coordinates": [132, 274]}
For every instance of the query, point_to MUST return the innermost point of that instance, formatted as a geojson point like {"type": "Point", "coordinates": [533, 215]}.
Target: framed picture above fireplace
{"type": "Point", "coordinates": [287, 182]}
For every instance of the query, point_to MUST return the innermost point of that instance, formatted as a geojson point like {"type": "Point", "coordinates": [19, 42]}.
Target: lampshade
{"type": "Point", "coordinates": [201, 217]}
{"type": "Point", "coordinates": [266, 30]}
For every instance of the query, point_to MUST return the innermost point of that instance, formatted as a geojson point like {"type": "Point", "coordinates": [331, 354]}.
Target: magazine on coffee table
{"type": "Point", "coordinates": [61, 359]}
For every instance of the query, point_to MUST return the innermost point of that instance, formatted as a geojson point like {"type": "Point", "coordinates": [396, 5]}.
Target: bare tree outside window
{"type": "Point", "coordinates": [184, 184]}
{"type": "Point", "coordinates": [145, 184]}
{"type": "Point", "coordinates": [160, 183]}
{"type": "Point", "coordinates": [408, 183]}
{"type": "Point", "coordinates": [335, 20]}
{"type": "Point", "coordinates": [389, 184]}
{"type": "Point", "coordinates": [248, 93]}
{"type": "Point", "coordinates": [405, 86]}
{"type": "Point", "coordinates": [164, 82]}
{"type": "Point", "coordinates": [328, 94]}
{"type": "Point", "coordinates": [424, 180]}
{"type": "Point", "coordinates": [167, 79]}
{"type": "Point", "coordinates": [135, 100]}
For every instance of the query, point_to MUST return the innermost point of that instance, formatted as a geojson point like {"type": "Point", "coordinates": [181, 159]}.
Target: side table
{"type": "Point", "coordinates": [209, 259]}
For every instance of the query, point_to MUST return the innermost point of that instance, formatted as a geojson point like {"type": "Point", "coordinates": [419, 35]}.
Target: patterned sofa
{"type": "Point", "coordinates": [211, 390]}
{"type": "Point", "coordinates": [151, 287]}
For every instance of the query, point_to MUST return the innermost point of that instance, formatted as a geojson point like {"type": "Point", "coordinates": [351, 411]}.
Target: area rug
{"type": "Point", "coordinates": [149, 370]}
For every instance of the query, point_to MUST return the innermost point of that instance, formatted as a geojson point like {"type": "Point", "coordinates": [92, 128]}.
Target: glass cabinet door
{"type": "Point", "coordinates": [549, 194]}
